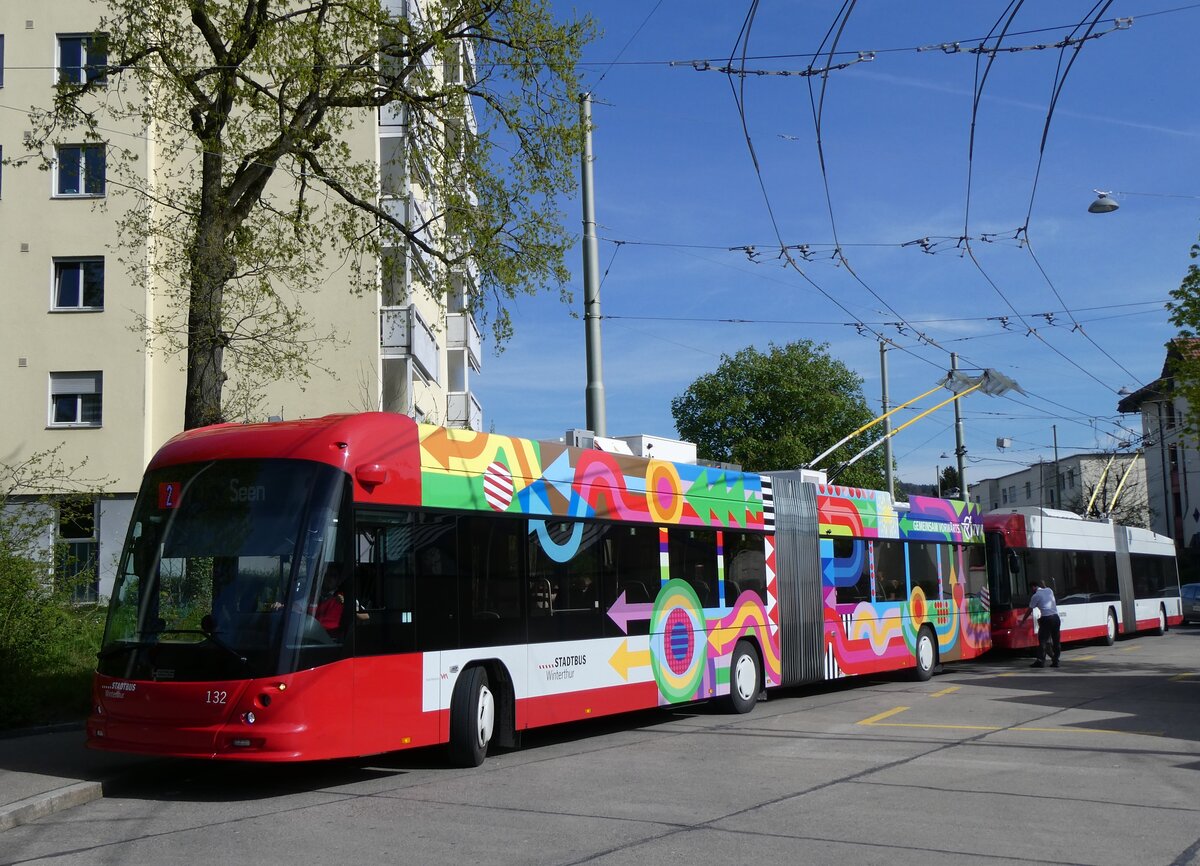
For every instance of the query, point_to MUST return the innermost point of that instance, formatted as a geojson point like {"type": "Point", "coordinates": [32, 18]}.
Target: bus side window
{"type": "Point", "coordinates": [852, 570]}
{"type": "Point", "coordinates": [692, 554]}
{"type": "Point", "coordinates": [745, 566]}
{"type": "Point", "coordinates": [491, 572]}
{"type": "Point", "coordinates": [977, 578]}
{"type": "Point", "coordinates": [383, 588]}
{"type": "Point", "coordinates": [923, 567]}
{"type": "Point", "coordinates": [890, 578]}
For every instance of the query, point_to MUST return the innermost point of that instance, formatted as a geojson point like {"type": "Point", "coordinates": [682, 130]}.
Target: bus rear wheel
{"type": "Point", "coordinates": [472, 718]}
{"type": "Point", "coordinates": [744, 681]}
{"type": "Point", "coordinates": [926, 654]}
{"type": "Point", "coordinates": [1110, 636]}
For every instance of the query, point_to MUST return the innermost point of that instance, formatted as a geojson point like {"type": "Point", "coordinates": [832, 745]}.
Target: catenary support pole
{"type": "Point", "coordinates": [960, 449]}
{"type": "Point", "coordinates": [887, 423]}
{"type": "Point", "coordinates": [594, 402]}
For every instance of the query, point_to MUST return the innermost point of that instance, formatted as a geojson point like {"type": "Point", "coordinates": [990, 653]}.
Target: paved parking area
{"type": "Point", "coordinates": [1092, 763]}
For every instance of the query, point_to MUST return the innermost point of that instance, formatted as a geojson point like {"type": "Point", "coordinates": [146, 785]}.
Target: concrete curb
{"type": "Point", "coordinates": [41, 805]}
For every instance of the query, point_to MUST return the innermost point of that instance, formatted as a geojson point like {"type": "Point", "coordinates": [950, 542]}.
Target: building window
{"type": "Point", "coordinates": [79, 284]}
{"type": "Point", "coordinates": [1071, 478]}
{"type": "Point", "coordinates": [1028, 490]}
{"type": "Point", "coordinates": [82, 57]}
{"type": "Point", "coordinates": [75, 399]}
{"type": "Point", "coordinates": [78, 548]}
{"type": "Point", "coordinates": [81, 169]}
{"type": "Point", "coordinates": [1004, 496]}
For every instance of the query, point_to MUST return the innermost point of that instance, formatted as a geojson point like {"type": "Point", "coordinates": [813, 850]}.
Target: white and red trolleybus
{"type": "Point", "coordinates": [1108, 579]}
{"type": "Point", "coordinates": [358, 584]}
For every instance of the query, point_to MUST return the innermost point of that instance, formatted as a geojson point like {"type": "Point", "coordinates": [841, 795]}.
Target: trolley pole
{"type": "Point", "coordinates": [596, 421]}
{"type": "Point", "coordinates": [887, 422]}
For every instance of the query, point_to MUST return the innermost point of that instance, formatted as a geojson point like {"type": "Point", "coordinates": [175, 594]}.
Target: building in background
{"type": "Point", "coordinates": [1172, 460]}
{"type": "Point", "coordinates": [78, 377]}
{"type": "Point", "coordinates": [1069, 483]}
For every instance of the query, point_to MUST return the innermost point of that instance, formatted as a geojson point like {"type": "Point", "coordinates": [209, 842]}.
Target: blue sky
{"type": "Point", "coordinates": [676, 184]}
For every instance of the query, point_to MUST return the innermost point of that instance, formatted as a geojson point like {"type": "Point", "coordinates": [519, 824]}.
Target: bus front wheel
{"type": "Point", "coordinates": [744, 681]}
{"type": "Point", "coordinates": [926, 654]}
{"type": "Point", "coordinates": [472, 718]}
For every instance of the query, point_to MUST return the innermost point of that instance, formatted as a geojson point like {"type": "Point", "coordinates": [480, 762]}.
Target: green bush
{"type": "Point", "coordinates": [48, 641]}
{"type": "Point", "coordinates": [47, 645]}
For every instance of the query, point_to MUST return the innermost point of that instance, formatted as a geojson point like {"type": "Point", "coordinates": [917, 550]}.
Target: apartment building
{"type": "Point", "coordinates": [84, 378]}
{"type": "Point", "coordinates": [1172, 458]}
{"type": "Point", "coordinates": [1070, 483]}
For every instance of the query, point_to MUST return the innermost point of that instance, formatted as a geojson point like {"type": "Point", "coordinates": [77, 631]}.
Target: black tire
{"type": "Point", "coordinates": [745, 682]}
{"type": "Point", "coordinates": [1162, 621]}
{"type": "Point", "coordinates": [472, 718]}
{"type": "Point", "coordinates": [1110, 636]}
{"type": "Point", "coordinates": [927, 655]}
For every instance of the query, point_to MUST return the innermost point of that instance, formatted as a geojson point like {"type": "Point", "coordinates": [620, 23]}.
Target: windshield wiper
{"type": "Point", "coordinates": [121, 648]}
{"type": "Point", "coordinates": [212, 638]}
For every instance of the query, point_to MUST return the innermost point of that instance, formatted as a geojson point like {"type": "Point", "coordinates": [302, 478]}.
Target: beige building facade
{"type": "Point", "coordinates": [81, 375]}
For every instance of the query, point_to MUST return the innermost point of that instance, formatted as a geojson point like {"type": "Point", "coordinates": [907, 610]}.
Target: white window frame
{"type": "Point", "coordinates": [80, 553]}
{"type": "Point", "coordinates": [81, 170]}
{"type": "Point", "coordinates": [78, 385]}
{"type": "Point", "coordinates": [82, 73]}
{"type": "Point", "coordinates": [56, 283]}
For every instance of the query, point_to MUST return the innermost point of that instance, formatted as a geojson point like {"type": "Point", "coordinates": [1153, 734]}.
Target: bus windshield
{"type": "Point", "coordinates": [231, 569]}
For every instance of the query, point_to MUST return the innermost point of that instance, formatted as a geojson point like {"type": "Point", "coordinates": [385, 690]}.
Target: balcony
{"type": "Point", "coordinates": [463, 333]}
{"type": "Point", "coordinates": [408, 210]}
{"type": "Point", "coordinates": [463, 410]}
{"type": "Point", "coordinates": [403, 333]}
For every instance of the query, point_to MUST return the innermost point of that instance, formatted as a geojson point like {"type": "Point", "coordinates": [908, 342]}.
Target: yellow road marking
{"type": "Point", "coordinates": [1129, 649]}
{"type": "Point", "coordinates": [1178, 678]}
{"type": "Point", "coordinates": [877, 722]}
{"type": "Point", "coordinates": [946, 691]}
{"type": "Point", "coordinates": [883, 715]}
{"type": "Point", "coordinates": [1080, 658]}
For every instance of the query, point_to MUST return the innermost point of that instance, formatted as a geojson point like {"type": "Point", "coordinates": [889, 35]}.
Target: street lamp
{"type": "Point", "coordinates": [1104, 203]}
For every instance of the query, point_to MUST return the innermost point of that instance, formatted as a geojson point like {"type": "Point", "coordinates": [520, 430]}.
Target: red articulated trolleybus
{"type": "Point", "coordinates": [1108, 579]}
{"type": "Point", "coordinates": [358, 584]}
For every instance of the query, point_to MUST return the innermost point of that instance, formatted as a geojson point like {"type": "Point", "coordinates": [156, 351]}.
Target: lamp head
{"type": "Point", "coordinates": [1104, 203]}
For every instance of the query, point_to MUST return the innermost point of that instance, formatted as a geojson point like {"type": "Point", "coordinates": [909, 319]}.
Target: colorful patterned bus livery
{"type": "Point", "coordinates": [936, 581]}
{"type": "Point", "coordinates": [461, 469]}
{"type": "Point", "coordinates": [688, 649]}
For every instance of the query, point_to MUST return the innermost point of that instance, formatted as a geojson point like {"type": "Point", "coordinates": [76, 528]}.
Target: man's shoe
{"type": "Point", "coordinates": [1054, 663]}
{"type": "Point", "coordinates": [1038, 665]}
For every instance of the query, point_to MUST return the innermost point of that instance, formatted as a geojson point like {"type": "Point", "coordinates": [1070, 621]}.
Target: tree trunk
{"type": "Point", "coordinates": [211, 268]}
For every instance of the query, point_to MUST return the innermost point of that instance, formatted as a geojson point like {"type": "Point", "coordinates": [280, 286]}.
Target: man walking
{"type": "Point", "coordinates": [1049, 625]}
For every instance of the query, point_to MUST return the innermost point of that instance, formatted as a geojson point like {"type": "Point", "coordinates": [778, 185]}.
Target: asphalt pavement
{"type": "Point", "coordinates": [43, 771]}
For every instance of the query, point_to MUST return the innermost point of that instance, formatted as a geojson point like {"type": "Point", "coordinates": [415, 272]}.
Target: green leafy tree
{"type": "Point", "coordinates": [778, 410]}
{"type": "Point", "coordinates": [948, 480]}
{"type": "Point", "coordinates": [257, 190]}
{"type": "Point", "coordinates": [1184, 354]}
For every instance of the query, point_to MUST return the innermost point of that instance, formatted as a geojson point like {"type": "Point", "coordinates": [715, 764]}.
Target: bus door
{"type": "Point", "coordinates": [406, 596]}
